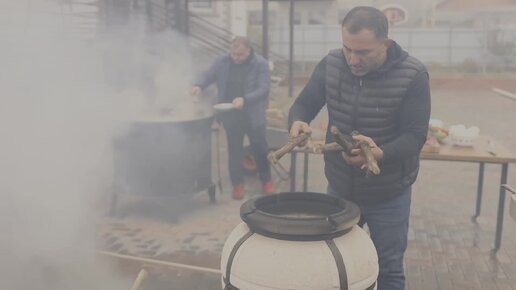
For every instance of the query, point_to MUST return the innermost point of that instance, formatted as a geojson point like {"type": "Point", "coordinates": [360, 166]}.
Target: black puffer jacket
{"type": "Point", "coordinates": [390, 105]}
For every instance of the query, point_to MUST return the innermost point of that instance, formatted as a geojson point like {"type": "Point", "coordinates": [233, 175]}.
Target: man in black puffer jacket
{"type": "Point", "coordinates": [374, 87]}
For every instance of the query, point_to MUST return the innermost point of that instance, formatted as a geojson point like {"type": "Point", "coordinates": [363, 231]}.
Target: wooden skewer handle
{"type": "Point", "coordinates": [320, 148]}
{"type": "Point", "coordinates": [275, 156]}
{"type": "Point", "coordinates": [372, 165]}
{"type": "Point", "coordinates": [346, 142]}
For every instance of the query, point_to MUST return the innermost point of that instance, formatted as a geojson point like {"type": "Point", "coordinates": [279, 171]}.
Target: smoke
{"type": "Point", "coordinates": [170, 69]}
{"type": "Point", "coordinates": [58, 116]}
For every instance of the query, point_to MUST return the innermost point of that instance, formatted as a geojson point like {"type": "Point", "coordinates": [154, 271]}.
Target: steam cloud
{"type": "Point", "coordinates": [57, 120]}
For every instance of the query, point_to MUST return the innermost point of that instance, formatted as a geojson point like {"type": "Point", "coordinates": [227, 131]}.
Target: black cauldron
{"type": "Point", "coordinates": [164, 157]}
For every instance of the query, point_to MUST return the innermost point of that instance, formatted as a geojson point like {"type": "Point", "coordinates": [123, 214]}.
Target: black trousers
{"type": "Point", "coordinates": [236, 124]}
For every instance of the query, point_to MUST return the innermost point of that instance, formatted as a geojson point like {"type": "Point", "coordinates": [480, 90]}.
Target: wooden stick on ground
{"type": "Point", "coordinates": [142, 275]}
{"type": "Point", "coordinates": [154, 262]}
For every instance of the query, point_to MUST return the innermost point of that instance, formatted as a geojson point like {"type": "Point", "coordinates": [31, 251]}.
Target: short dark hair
{"type": "Point", "coordinates": [366, 17]}
{"type": "Point", "coordinates": [241, 40]}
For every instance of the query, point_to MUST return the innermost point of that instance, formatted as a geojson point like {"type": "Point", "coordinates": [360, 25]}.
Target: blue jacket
{"type": "Point", "coordinates": [257, 87]}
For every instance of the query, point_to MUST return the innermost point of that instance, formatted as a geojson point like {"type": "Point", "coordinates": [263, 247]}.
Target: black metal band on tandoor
{"type": "Point", "coordinates": [341, 267]}
{"type": "Point", "coordinates": [237, 246]}
{"type": "Point", "coordinates": [339, 262]}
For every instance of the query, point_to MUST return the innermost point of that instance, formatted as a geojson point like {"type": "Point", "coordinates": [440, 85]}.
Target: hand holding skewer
{"type": "Point", "coordinates": [353, 147]}
{"type": "Point", "coordinates": [358, 149]}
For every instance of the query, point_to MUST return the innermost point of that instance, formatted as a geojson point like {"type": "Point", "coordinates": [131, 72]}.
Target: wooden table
{"type": "Point", "coordinates": [484, 150]}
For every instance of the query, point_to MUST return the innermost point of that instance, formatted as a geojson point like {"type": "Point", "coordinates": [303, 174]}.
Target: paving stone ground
{"type": "Point", "coordinates": [447, 250]}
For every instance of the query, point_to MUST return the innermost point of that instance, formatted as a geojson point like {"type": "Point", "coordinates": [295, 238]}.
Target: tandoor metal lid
{"type": "Point", "coordinates": [300, 216]}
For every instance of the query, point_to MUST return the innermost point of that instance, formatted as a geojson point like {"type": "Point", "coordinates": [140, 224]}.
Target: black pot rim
{"type": "Point", "coordinates": [340, 216]}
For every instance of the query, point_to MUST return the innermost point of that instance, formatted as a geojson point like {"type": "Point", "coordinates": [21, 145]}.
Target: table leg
{"type": "Point", "coordinates": [501, 208]}
{"type": "Point", "coordinates": [305, 173]}
{"type": "Point", "coordinates": [293, 157]}
{"type": "Point", "coordinates": [480, 187]}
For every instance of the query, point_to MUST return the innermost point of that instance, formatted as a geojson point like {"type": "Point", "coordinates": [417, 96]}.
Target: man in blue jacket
{"type": "Point", "coordinates": [243, 79]}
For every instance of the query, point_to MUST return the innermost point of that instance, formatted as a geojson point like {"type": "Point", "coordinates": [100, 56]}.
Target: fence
{"type": "Point", "coordinates": [468, 48]}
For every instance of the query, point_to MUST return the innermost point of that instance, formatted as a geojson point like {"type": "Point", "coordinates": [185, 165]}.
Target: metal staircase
{"type": "Point", "coordinates": [206, 38]}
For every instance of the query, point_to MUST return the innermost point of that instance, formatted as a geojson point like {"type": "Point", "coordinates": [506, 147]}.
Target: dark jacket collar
{"type": "Point", "coordinates": [249, 59]}
{"type": "Point", "coordinates": [395, 55]}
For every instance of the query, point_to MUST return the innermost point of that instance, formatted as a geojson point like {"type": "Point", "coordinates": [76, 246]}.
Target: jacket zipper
{"type": "Point", "coordinates": [355, 112]}
{"type": "Point", "coordinates": [355, 105]}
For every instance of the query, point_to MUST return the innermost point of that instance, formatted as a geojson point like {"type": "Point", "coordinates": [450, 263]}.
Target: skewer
{"type": "Point", "coordinates": [155, 262]}
{"type": "Point", "coordinates": [275, 156]}
{"type": "Point", "coordinates": [320, 148]}
{"type": "Point", "coordinates": [347, 142]}
{"type": "Point", "coordinates": [343, 142]}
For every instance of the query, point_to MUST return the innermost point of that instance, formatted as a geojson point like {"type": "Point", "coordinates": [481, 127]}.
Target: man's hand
{"type": "Point", "coordinates": [299, 127]}
{"type": "Point", "coordinates": [238, 102]}
{"type": "Point", "coordinates": [357, 157]}
{"type": "Point", "coordinates": [195, 91]}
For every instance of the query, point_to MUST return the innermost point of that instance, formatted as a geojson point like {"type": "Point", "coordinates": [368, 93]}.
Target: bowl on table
{"type": "Point", "coordinates": [462, 136]}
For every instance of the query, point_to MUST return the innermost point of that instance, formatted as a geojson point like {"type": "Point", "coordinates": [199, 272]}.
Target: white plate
{"type": "Point", "coordinates": [223, 107]}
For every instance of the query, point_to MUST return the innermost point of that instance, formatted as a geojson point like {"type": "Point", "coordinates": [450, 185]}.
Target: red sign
{"type": "Point", "coordinates": [396, 14]}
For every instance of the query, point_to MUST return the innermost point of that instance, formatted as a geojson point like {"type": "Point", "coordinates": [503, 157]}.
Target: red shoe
{"type": "Point", "coordinates": [238, 191]}
{"type": "Point", "coordinates": [268, 187]}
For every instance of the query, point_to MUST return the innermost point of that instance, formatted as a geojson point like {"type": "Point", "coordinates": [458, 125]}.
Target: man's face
{"type": "Point", "coordinates": [363, 51]}
{"type": "Point", "coordinates": [239, 53]}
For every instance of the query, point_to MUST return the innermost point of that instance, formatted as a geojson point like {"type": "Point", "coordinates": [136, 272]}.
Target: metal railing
{"type": "Point", "coordinates": [211, 38]}
{"type": "Point", "coordinates": [218, 40]}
